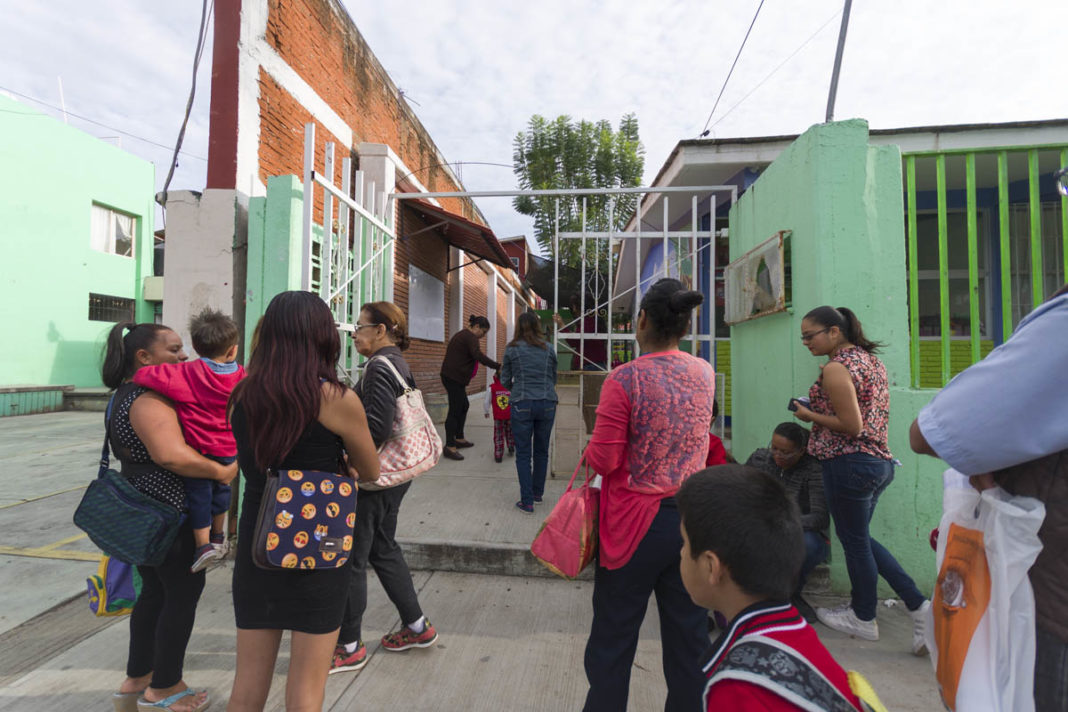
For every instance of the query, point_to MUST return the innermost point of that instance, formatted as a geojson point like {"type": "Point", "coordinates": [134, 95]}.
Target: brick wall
{"type": "Point", "coordinates": [476, 283]}
{"type": "Point", "coordinates": [429, 253]}
{"type": "Point", "coordinates": [500, 325]}
{"type": "Point", "coordinates": [319, 41]}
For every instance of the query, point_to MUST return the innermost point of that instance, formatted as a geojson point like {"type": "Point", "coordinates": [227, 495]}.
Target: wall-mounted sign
{"type": "Point", "coordinates": [758, 282]}
{"type": "Point", "coordinates": [426, 305]}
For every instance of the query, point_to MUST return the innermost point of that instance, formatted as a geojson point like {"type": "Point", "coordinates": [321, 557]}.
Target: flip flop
{"type": "Point", "coordinates": [164, 704]}
{"type": "Point", "coordinates": [126, 701]}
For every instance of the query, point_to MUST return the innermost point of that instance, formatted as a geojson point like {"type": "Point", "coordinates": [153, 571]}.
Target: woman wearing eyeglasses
{"type": "Point", "coordinates": [787, 460]}
{"type": "Point", "coordinates": [381, 334]}
{"type": "Point", "coordinates": [849, 411]}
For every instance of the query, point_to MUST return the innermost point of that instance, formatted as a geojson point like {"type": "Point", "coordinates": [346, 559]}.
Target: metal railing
{"type": "Point", "coordinates": [998, 246]}
{"type": "Point", "coordinates": [348, 260]}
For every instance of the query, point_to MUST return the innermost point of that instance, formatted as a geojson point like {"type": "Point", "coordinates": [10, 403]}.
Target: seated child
{"type": "Point", "coordinates": [200, 390]}
{"type": "Point", "coordinates": [741, 554]}
{"type": "Point", "coordinates": [717, 453]}
{"type": "Point", "coordinates": [497, 403]}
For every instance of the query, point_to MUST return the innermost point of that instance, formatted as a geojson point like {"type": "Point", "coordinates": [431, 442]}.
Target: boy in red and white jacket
{"type": "Point", "coordinates": [741, 554]}
{"type": "Point", "coordinates": [200, 390]}
{"type": "Point", "coordinates": [498, 405]}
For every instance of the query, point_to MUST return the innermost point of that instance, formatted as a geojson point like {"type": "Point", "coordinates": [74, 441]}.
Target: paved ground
{"type": "Point", "coordinates": [507, 642]}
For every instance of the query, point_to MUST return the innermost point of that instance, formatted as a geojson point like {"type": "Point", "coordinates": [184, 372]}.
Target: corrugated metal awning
{"type": "Point", "coordinates": [472, 238]}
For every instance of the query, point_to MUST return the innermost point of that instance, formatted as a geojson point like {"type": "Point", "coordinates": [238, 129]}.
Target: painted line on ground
{"type": "Point", "coordinates": [53, 551]}
{"type": "Point", "coordinates": [42, 496]}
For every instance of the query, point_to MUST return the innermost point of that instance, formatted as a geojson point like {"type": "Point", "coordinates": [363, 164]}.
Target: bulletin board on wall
{"type": "Point", "coordinates": [426, 305]}
{"type": "Point", "coordinates": [759, 282]}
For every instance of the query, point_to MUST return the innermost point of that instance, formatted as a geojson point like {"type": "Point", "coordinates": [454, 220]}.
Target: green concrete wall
{"type": "Point", "coordinates": [842, 199]}
{"type": "Point", "coordinates": [274, 247]}
{"type": "Point", "coordinates": [50, 176]}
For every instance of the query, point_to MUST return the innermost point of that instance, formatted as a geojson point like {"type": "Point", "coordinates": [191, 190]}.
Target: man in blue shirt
{"type": "Point", "coordinates": [1005, 421]}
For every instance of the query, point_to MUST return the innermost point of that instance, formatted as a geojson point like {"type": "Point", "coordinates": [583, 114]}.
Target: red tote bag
{"type": "Point", "coordinates": [567, 540]}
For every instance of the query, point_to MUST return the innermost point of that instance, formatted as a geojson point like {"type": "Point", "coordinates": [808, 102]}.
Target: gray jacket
{"type": "Point", "coordinates": [804, 482]}
{"type": "Point", "coordinates": [529, 372]}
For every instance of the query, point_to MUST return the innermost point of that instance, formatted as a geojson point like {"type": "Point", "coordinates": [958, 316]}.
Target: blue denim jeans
{"type": "Point", "coordinates": [532, 424]}
{"type": "Point", "coordinates": [816, 550]}
{"type": "Point", "coordinates": [620, 599]}
{"type": "Point", "coordinates": [852, 484]}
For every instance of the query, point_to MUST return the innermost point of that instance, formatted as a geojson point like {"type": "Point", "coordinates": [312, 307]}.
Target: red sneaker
{"type": "Point", "coordinates": [406, 638]}
{"type": "Point", "coordinates": [344, 661]}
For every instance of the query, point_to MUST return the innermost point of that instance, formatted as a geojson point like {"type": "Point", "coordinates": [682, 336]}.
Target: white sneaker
{"type": "Point", "coordinates": [845, 621]}
{"type": "Point", "coordinates": [919, 629]}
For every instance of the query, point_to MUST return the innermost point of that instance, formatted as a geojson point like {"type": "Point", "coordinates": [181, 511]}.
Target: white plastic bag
{"type": "Point", "coordinates": [981, 624]}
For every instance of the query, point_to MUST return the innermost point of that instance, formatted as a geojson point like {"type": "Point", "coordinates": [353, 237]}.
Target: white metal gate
{"type": "Point", "coordinates": [348, 259]}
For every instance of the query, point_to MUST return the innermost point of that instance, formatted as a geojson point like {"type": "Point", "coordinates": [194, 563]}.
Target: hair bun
{"type": "Point", "coordinates": [683, 301]}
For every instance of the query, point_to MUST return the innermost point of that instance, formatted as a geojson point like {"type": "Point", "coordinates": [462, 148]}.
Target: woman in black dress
{"type": "Point", "coordinates": [291, 413]}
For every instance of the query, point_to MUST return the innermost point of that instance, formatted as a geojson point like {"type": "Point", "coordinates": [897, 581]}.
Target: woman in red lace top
{"type": "Point", "coordinates": [651, 435]}
{"type": "Point", "coordinates": [849, 410]}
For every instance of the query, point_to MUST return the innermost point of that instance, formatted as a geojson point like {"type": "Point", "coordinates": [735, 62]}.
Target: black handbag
{"type": "Point", "coordinates": [124, 523]}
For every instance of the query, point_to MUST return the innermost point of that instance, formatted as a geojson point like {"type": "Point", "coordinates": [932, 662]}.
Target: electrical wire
{"type": "Point", "coordinates": [201, 36]}
{"type": "Point", "coordinates": [704, 131]}
{"type": "Point", "coordinates": [777, 68]}
{"type": "Point", "coordinates": [88, 120]}
{"type": "Point", "coordinates": [455, 163]}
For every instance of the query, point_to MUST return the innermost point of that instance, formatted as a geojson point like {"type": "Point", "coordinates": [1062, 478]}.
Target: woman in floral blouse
{"type": "Point", "coordinates": [651, 435]}
{"type": "Point", "coordinates": [849, 410]}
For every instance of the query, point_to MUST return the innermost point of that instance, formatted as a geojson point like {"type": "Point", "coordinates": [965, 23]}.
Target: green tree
{"type": "Point", "coordinates": [567, 154]}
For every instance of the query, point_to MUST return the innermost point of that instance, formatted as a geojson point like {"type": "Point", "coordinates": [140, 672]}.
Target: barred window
{"type": "Point", "coordinates": [104, 307]}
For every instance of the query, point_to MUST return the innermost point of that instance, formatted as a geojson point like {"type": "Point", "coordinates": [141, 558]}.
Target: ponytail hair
{"type": "Point", "coordinates": [668, 306]}
{"type": "Point", "coordinates": [847, 322]}
{"type": "Point", "coordinates": [124, 341]}
{"type": "Point", "coordinates": [481, 321]}
{"type": "Point", "coordinates": [390, 316]}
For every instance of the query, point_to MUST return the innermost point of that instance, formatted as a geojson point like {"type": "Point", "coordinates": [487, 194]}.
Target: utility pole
{"type": "Point", "coordinates": [838, 61]}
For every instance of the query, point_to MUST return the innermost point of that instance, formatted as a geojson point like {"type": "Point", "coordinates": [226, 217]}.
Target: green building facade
{"type": "Point", "coordinates": [76, 225]}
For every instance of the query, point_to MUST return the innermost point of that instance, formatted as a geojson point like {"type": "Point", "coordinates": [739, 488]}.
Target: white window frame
{"type": "Point", "coordinates": [106, 243]}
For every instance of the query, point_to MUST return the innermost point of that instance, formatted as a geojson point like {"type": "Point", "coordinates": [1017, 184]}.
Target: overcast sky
{"type": "Point", "coordinates": [476, 70]}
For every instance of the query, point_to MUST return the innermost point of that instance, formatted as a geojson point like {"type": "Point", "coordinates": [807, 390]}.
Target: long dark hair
{"type": "Point", "coordinates": [847, 322]}
{"type": "Point", "coordinates": [123, 342]}
{"type": "Point", "coordinates": [668, 305]}
{"type": "Point", "coordinates": [298, 349]}
{"type": "Point", "coordinates": [528, 329]}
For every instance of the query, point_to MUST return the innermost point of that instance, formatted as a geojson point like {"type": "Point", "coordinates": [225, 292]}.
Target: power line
{"type": "Point", "coordinates": [778, 67]}
{"type": "Point", "coordinates": [91, 121]}
{"type": "Point", "coordinates": [201, 36]}
{"type": "Point", "coordinates": [704, 131]}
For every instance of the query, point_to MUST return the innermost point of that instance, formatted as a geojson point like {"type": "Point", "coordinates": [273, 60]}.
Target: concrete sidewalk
{"type": "Point", "coordinates": [506, 642]}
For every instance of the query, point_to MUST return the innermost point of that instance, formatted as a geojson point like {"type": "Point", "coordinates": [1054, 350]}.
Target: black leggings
{"type": "Point", "coordinates": [162, 618]}
{"type": "Point", "coordinates": [458, 405]}
{"type": "Point", "coordinates": [376, 544]}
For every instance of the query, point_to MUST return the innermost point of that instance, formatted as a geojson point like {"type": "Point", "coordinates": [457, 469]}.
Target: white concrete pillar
{"type": "Point", "coordinates": [205, 247]}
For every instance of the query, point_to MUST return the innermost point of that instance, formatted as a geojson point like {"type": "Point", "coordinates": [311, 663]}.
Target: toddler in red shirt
{"type": "Point", "coordinates": [742, 550]}
{"type": "Point", "coordinates": [498, 404]}
{"type": "Point", "coordinates": [200, 390]}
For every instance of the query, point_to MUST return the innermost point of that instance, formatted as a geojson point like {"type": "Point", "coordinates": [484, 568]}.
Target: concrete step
{"type": "Point", "coordinates": [87, 399]}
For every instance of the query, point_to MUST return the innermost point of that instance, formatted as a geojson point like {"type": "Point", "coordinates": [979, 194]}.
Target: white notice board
{"type": "Point", "coordinates": [426, 305]}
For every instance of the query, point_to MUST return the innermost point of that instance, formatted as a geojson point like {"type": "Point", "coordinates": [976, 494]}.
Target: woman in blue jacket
{"type": "Point", "coordinates": [529, 372]}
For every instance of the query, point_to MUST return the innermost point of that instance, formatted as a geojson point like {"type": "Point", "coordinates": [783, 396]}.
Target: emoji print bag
{"type": "Point", "coordinates": [305, 521]}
